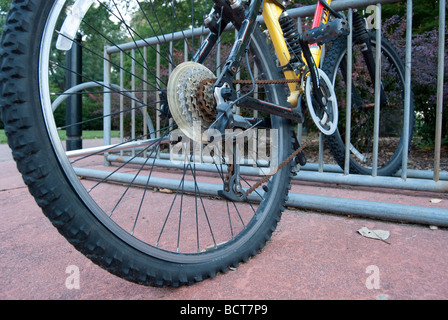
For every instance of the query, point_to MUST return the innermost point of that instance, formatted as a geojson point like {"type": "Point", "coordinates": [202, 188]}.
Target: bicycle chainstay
{"type": "Point", "coordinates": [287, 160]}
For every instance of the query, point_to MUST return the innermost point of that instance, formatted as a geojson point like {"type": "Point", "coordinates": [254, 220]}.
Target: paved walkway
{"type": "Point", "coordinates": [310, 256]}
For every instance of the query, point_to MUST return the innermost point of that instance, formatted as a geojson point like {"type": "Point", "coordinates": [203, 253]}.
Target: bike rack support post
{"type": "Point", "coordinates": [349, 92]}
{"type": "Point", "coordinates": [73, 114]}
{"type": "Point", "coordinates": [407, 90]}
{"type": "Point", "coordinates": [107, 109]}
{"type": "Point", "coordinates": [441, 68]}
{"type": "Point", "coordinates": [377, 90]}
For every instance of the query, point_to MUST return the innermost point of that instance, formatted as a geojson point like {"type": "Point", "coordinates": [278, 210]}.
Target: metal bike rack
{"type": "Point", "coordinates": [419, 180]}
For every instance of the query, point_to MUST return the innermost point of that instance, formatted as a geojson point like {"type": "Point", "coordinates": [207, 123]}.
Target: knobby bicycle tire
{"type": "Point", "coordinates": [391, 114]}
{"type": "Point", "coordinates": [68, 203]}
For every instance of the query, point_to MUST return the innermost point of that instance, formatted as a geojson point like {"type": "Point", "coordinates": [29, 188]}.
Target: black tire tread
{"type": "Point", "coordinates": [30, 146]}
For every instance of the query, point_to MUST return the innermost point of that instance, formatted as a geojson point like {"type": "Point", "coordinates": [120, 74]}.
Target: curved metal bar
{"type": "Point", "coordinates": [93, 84]}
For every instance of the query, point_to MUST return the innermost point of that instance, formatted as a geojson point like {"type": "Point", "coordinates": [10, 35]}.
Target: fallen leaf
{"type": "Point", "coordinates": [382, 235]}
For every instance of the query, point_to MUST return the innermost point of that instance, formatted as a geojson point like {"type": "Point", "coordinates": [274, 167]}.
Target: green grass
{"type": "Point", "coordinates": [85, 135]}
{"type": "Point", "coordinates": [2, 136]}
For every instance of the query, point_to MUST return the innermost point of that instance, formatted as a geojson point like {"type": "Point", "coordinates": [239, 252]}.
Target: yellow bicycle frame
{"type": "Point", "coordinates": [271, 15]}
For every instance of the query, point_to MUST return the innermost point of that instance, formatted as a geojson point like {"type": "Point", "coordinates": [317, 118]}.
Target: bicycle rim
{"type": "Point", "coordinates": [170, 214]}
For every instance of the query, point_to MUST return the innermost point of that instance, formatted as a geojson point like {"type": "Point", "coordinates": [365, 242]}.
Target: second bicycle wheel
{"type": "Point", "coordinates": [390, 143]}
{"type": "Point", "coordinates": [127, 206]}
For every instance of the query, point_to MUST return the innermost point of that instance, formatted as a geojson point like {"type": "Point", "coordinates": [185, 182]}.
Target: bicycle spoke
{"type": "Point", "coordinates": [140, 55]}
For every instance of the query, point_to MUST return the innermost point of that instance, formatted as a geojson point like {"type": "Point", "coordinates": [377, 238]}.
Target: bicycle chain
{"type": "Point", "coordinates": [285, 162]}
{"type": "Point", "coordinates": [209, 110]}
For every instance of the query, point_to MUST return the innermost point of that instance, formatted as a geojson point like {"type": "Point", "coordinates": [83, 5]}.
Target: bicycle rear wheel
{"type": "Point", "coordinates": [120, 205]}
{"type": "Point", "coordinates": [390, 143]}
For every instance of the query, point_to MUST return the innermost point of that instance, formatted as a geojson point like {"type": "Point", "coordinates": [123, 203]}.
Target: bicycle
{"type": "Point", "coordinates": [197, 227]}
